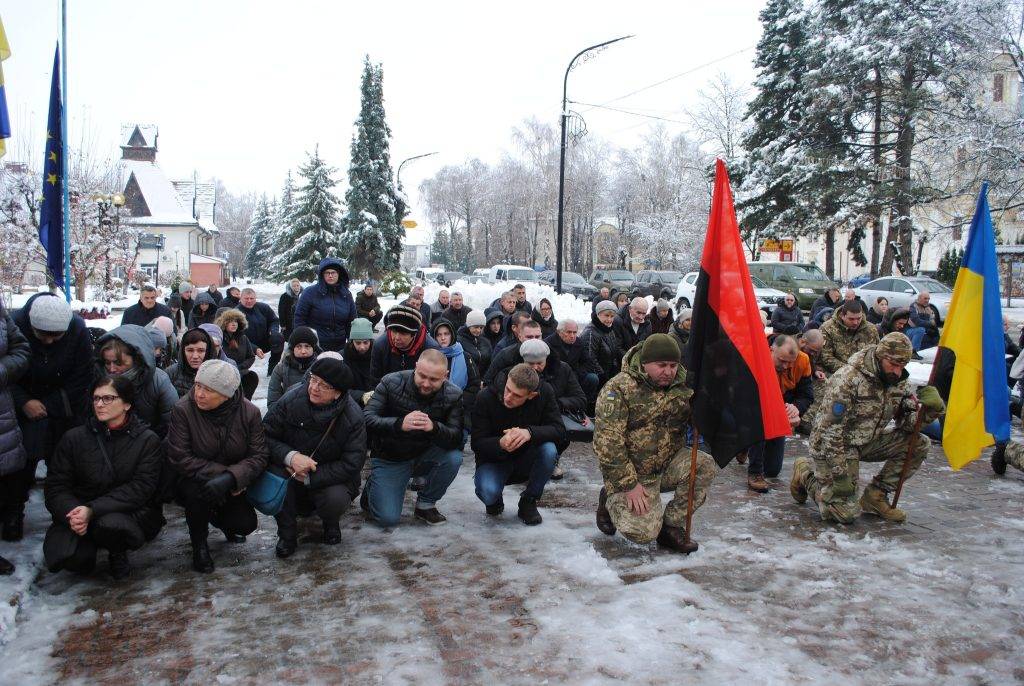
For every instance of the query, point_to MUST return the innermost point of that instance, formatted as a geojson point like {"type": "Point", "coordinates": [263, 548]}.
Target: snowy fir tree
{"type": "Point", "coordinates": [261, 228]}
{"type": "Point", "coordinates": [284, 212]}
{"type": "Point", "coordinates": [372, 232]}
{"type": "Point", "coordinates": [311, 231]}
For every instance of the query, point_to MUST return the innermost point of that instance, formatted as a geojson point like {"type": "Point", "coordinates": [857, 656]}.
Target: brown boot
{"type": "Point", "coordinates": [604, 518]}
{"type": "Point", "coordinates": [672, 537]}
{"type": "Point", "coordinates": [875, 501]}
{"type": "Point", "coordinates": [741, 458]}
{"type": "Point", "coordinates": [756, 483]}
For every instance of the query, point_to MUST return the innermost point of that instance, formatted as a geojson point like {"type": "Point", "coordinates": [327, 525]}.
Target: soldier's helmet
{"type": "Point", "coordinates": [895, 346]}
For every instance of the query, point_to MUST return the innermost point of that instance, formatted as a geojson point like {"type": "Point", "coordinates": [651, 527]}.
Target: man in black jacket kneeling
{"type": "Point", "coordinates": [517, 427]}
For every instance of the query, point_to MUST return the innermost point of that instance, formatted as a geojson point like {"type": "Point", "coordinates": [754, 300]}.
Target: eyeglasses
{"type": "Point", "coordinates": [317, 382]}
{"type": "Point", "coordinates": [104, 399]}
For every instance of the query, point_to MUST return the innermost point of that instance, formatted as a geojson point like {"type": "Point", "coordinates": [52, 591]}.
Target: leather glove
{"type": "Point", "coordinates": [215, 491]}
{"type": "Point", "coordinates": [842, 486]}
{"type": "Point", "coordinates": [930, 398]}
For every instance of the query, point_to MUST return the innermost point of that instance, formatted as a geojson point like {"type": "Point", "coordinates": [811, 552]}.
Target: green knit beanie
{"type": "Point", "coordinates": [659, 347]}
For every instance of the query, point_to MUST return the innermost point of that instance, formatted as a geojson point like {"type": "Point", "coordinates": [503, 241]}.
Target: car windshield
{"type": "Point", "coordinates": [522, 275]}
{"type": "Point", "coordinates": [670, 277]}
{"type": "Point", "coordinates": [619, 275]}
{"type": "Point", "coordinates": [570, 277]}
{"type": "Point", "coordinates": [758, 283]}
{"type": "Point", "coordinates": [932, 286]}
{"type": "Point", "coordinates": [805, 272]}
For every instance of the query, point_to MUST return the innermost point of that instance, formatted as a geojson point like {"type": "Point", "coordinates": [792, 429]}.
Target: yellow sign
{"type": "Point", "coordinates": [409, 223]}
{"type": "Point", "coordinates": [770, 245]}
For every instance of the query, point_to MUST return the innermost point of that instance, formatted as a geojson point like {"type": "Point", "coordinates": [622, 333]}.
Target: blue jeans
{"type": "Point", "coordinates": [766, 457]}
{"type": "Point", "coordinates": [388, 480]}
{"type": "Point", "coordinates": [916, 335]}
{"type": "Point", "coordinates": [534, 467]}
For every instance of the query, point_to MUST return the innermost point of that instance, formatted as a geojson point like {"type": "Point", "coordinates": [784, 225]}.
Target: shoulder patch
{"type": "Point", "coordinates": [611, 395]}
{"type": "Point", "coordinates": [838, 409]}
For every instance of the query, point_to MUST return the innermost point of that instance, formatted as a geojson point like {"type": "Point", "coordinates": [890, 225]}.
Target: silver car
{"type": "Point", "coordinates": [901, 291]}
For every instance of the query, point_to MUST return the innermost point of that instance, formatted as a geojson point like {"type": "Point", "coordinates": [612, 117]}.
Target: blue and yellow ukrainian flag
{"type": "Point", "coordinates": [978, 409]}
{"type": "Point", "coordinates": [5, 119]}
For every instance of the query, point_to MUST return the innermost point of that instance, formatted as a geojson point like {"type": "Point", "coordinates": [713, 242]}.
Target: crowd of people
{"type": "Point", "coordinates": [158, 411]}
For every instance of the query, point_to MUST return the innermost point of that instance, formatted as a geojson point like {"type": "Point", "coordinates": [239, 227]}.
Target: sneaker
{"type": "Point", "coordinates": [528, 511]}
{"type": "Point", "coordinates": [286, 547]}
{"type": "Point", "coordinates": [430, 515]}
{"type": "Point", "coordinates": [120, 568]}
{"type": "Point", "coordinates": [558, 474]}
{"type": "Point", "coordinates": [999, 459]}
{"type": "Point", "coordinates": [756, 483]}
{"type": "Point", "coordinates": [496, 509]}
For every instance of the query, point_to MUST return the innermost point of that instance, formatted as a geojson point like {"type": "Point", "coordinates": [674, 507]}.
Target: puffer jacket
{"type": "Point", "coordinates": [155, 395]}
{"type": "Point", "coordinates": [503, 360]}
{"type": "Point", "coordinates": [204, 443]}
{"type": "Point", "coordinates": [294, 423]}
{"type": "Point", "coordinates": [787, 320]}
{"type": "Point", "coordinates": [540, 416]}
{"type": "Point", "coordinates": [122, 476]}
{"type": "Point", "coordinates": [571, 398]}
{"type": "Point", "coordinates": [14, 360]}
{"type": "Point", "coordinates": [182, 376]}
{"type": "Point", "coordinates": [197, 317]}
{"type": "Point", "coordinates": [237, 345]}
{"type": "Point", "coordinates": [328, 310]}
{"type": "Point", "coordinates": [477, 347]}
{"type": "Point", "coordinates": [263, 328]}
{"type": "Point", "coordinates": [396, 396]}
{"type": "Point", "coordinates": [288, 373]}
{"type": "Point", "coordinates": [604, 347]}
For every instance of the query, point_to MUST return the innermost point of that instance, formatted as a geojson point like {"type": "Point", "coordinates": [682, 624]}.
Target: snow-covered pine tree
{"type": "Point", "coordinates": [284, 212]}
{"type": "Point", "coordinates": [372, 231]}
{"type": "Point", "coordinates": [311, 233]}
{"type": "Point", "coordinates": [260, 233]}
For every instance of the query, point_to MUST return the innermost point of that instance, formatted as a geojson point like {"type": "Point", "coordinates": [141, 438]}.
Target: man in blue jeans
{"type": "Point", "coordinates": [516, 429]}
{"type": "Point", "coordinates": [414, 421]}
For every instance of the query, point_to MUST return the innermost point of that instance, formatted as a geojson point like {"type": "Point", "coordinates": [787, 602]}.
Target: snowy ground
{"type": "Point", "coordinates": [773, 596]}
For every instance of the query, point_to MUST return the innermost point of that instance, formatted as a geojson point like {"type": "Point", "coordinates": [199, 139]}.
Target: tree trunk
{"type": "Point", "coordinates": [874, 211]}
{"type": "Point", "coordinates": [830, 251]}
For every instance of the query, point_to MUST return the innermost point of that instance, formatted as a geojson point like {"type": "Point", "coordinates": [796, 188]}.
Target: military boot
{"type": "Point", "coordinates": [604, 518]}
{"type": "Point", "coordinates": [797, 488]}
{"type": "Point", "coordinates": [673, 538]}
{"type": "Point", "coordinates": [875, 501]}
{"type": "Point", "coordinates": [999, 459]}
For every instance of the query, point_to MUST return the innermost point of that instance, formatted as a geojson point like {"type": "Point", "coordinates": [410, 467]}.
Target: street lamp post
{"type": "Point", "coordinates": [398, 174]}
{"type": "Point", "coordinates": [105, 202]}
{"type": "Point", "coordinates": [561, 161]}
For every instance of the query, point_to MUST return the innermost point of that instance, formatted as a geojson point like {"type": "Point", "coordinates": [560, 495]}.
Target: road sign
{"type": "Point", "coordinates": [409, 223]}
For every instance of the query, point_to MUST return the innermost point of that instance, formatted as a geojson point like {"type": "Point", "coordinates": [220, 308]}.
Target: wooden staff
{"type": "Point", "coordinates": [912, 445]}
{"type": "Point", "coordinates": [693, 482]}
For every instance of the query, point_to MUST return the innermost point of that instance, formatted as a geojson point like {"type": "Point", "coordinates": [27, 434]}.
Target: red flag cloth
{"type": "Point", "coordinates": [737, 400]}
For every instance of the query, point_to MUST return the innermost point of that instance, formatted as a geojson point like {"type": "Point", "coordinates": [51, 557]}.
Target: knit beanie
{"type": "Point", "coordinates": [50, 314]}
{"type": "Point", "coordinates": [684, 315]}
{"type": "Point", "coordinates": [174, 300]}
{"type": "Point", "coordinates": [605, 306]}
{"type": "Point", "coordinates": [185, 287]}
{"type": "Point", "coordinates": [475, 318]}
{"type": "Point", "coordinates": [156, 337]}
{"type": "Point", "coordinates": [663, 305]}
{"type": "Point", "coordinates": [334, 372]}
{"type": "Point", "coordinates": [219, 376]}
{"type": "Point", "coordinates": [659, 347]}
{"type": "Point", "coordinates": [329, 355]}
{"type": "Point", "coordinates": [535, 350]}
{"type": "Point", "coordinates": [303, 334]}
{"type": "Point", "coordinates": [361, 330]}
{"type": "Point", "coordinates": [404, 318]}
{"type": "Point", "coordinates": [164, 324]}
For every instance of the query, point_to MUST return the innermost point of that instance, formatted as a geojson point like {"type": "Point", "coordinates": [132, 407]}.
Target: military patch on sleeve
{"type": "Point", "coordinates": [610, 395]}
{"type": "Point", "coordinates": [838, 409]}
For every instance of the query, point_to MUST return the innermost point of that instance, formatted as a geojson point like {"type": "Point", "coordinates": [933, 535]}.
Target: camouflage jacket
{"type": "Point", "coordinates": [856, 408]}
{"type": "Point", "coordinates": [639, 427]}
{"type": "Point", "coordinates": [841, 343]}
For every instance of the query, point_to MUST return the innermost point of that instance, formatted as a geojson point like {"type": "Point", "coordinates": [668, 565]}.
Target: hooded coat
{"type": "Point", "coordinates": [290, 372]}
{"type": "Point", "coordinates": [328, 310]}
{"type": "Point", "coordinates": [197, 317]}
{"type": "Point", "coordinates": [492, 337]}
{"type": "Point", "coordinates": [14, 360]}
{"type": "Point", "coordinates": [237, 345]}
{"type": "Point", "coordinates": [181, 374]}
{"type": "Point", "coordinates": [155, 395]}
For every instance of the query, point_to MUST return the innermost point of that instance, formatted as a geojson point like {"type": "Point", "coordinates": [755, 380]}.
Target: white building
{"type": "Point", "coordinates": [415, 249]}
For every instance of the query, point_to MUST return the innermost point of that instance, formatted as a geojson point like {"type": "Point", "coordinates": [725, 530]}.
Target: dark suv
{"type": "Point", "coordinates": [657, 284]}
{"type": "Point", "coordinates": [614, 280]}
{"type": "Point", "coordinates": [572, 283]}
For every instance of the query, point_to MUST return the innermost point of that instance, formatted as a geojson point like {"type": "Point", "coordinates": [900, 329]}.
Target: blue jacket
{"type": "Point", "coordinates": [260, 324]}
{"type": "Point", "coordinates": [328, 310]}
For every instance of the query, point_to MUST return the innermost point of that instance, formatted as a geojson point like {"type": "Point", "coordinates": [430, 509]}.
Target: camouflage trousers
{"type": "Point", "coordinates": [676, 477]}
{"type": "Point", "coordinates": [890, 447]}
{"type": "Point", "coordinates": [808, 417]}
{"type": "Point", "coordinates": [1014, 455]}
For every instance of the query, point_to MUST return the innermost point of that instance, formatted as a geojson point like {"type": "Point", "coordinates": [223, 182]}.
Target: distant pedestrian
{"type": "Point", "coordinates": [263, 328]}
{"type": "Point", "coordinates": [286, 306]}
{"type": "Point", "coordinates": [368, 305]}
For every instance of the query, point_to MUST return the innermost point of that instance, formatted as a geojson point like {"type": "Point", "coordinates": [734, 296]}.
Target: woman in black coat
{"type": "Point", "coordinates": [286, 306]}
{"type": "Point", "coordinates": [101, 485]}
{"type": "Point", "coordinates": [787, 317]}
{"type": "Point", "coordinates": [475, 343]}
{"type": "Point", "coordinates": [545, 316]}
{"type": "Point", "coordinates": [237, 346]}
{"type": "Point", "coordinates": [494, 327]}
{"type": "Point", "coordinates": [600, 339]}
{"type": "Point", "coordinates": [14, 361]}
{"type": "Point", "coordinates": [316, 436]}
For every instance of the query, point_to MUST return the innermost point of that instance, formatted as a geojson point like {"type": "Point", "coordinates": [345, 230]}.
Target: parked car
{"type": "Point", "coordinates": [900, 291]}
{"type": "Point", "coordinates": [425, 275]}
{"type": "Point", "coordinates": [478, 275]}
{"type": "Point", "coordinates": [511, 272]}
{"type": "Point", "coordinates": [572, 283]}
{"type": "Point", "coordinates": [614, 280]}
{"type": "Point", "coordinates": [767, 297]}
{"type": "Point", "coordinates": [656, 283]}
{"type": "Point", "coordinates": [448, 278]}
{"type": "Point", "coordinates": [859, 280]}
{"type": "Point", "coordinates": [805, 280]}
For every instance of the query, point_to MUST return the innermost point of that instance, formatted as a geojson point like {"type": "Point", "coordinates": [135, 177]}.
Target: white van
{"type": "Point", "coordinates": [425, 275]}
{"type": "Point", "coordinates": [511, 272]}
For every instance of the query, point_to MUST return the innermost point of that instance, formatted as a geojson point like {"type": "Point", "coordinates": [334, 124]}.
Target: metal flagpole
{"type": "Point", "coordinates": [64, 146]}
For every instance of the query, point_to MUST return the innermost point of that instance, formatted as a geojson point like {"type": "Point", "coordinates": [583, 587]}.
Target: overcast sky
{"type": "Point", "coordinates": [241, 90]}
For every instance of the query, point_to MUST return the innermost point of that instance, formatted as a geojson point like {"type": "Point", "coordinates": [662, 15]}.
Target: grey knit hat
{"type": "Point", "coordinates": [219, 376]}
{"type": "Point", "coordinates": [50, 314]}
{"type": "Point", "coordinates": [475, 318]}
{"type": "Point", "coordinates": [605, 306]}
{"type": "Point", "coordinates": [361, 330]}
{"type": "Point", "coordinates": [663, 305]}
{"type": "Point", "coordinates": [534, 350]}
{"type": "Point", "coordinates": [684, 315]}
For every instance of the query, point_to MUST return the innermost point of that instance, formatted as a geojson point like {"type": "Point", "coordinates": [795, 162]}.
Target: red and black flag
{"type": "Point", "coordinates": [737, 400]}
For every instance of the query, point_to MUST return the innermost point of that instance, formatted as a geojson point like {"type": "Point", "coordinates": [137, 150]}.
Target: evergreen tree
{"type": "Point", "coordinates": [372, 235]}
{"type": "Point", "coordinates": [261, 228]}
{"type": "Point", "coordinates": [283, 213]}
{"type": "Point", "coordinates": [311, 231]}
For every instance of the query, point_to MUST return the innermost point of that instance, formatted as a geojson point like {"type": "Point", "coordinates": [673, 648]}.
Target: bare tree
{"type": "Point", "coordinates": [717, 118]}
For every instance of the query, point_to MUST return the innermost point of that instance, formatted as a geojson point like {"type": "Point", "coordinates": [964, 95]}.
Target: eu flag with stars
{"type": "Point", "coordinates": [51, 208]}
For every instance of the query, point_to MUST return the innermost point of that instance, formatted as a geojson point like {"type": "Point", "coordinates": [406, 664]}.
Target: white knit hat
{"type": "Point", "coordinates": [50, 314]}
{"type": "Point", "coordinates": [476, 318]}
{"type": "Point", "coordinates": [219, 376]}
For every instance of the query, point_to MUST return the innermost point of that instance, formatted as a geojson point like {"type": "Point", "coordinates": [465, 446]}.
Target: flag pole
{"type": "Point", "coordinates": [693, 482]}
{"type": "Point", "coordinates": [64, 147]}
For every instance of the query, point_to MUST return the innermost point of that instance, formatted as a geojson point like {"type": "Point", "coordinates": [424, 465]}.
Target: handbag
{"type": "Point", "coordinates": [267, 492]}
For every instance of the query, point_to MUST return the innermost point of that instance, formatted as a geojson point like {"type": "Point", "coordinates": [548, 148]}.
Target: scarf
{"type": "Point", "coordinates": [414, 349]}
{"type": "Point", "coordinates": [458, 374]}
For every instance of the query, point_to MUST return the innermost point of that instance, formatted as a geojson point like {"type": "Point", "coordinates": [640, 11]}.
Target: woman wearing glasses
{"type": "Point", "coordinates": [101, 485]}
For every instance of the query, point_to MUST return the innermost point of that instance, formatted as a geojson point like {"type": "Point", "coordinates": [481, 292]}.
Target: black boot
{"type": "Point", "coordinates": [286, 547]}
{"type": "Point", "coordinates": [120, 568]}
{"type": "Point", "coordinates": [604, 519]}
{"type": "Point", "coordinates": [528, 511]}
{"type": "Point", "coordinates": [234, 538]}
{"type": "Point", "coordinates": [364, 500]}
{"type": "Point", "coordinates": [497, 508]}
{"type": "Point", "coordinates": [201, 560]}
{"type": "Point", "coordinates": [14, 525]}
{"type": "Point", "coordinates": [332, 533]}
{"type": "Point", "coordinates": [673, 538]}
{"type": "Point", "coordinates": [6, 566]}
{"type": "Point", "coordinates": [998, 460]}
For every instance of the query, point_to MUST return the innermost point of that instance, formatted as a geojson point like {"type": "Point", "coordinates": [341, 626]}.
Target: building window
{"type": "Point", "coordinates": [997, 87]}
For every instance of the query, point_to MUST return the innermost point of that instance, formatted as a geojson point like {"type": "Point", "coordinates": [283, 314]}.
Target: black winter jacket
{"type": "Point", "coordinates": [623, 327]}
{"type": "Point", "coordinates": [294, 423]}
{"type": "Point", "coordinates": [503, 360]}
{"type": "Point", "coordinates": [261, 324]}
{"type": "Point", "coordinates": [14, 361]}
{"type": "Point", "coordinates": [547, 327]}
{"type": "Point", "coordinates": [363, 379]}
{"type": "Point", "coordinates": [604, 347]}
{"type": "Point", "coordinates": [124, 479]}
{"type": "Point", "coordinates": [456, 317]}
{"type": "Point", "coordinates": [571, 398]}
{"type": "Point", "coordinates": [822, 302]}
{"type": "Point", "coordinates": [182, 376]}
{"type": "Point", "coordinates": [787, 320]}
{"type": "Point", "coordinates": [288, 373]}
{"type": "Point", "coordinates": [540, 416]}
{"type": "Point", "coordinates": [197, 317]}
{"type": "Point", "coordinates": [476, 347]}
{"type": "Point", "coordinates": [396, 396]}
{"type": "Point", "coordinates": [137, 314]}
{"type": "Point", "coordinates": [286, 309]}
{"type": "Point", "coordinates": [577, 355]}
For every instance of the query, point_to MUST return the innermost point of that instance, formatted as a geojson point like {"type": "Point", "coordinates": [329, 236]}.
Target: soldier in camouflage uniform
{"type": "Point", "coordinates": [845, 333]}
{"type": "Point", "coordinates": [640, 441]}
{"type": "Point", "coordinates": [853, 427]}
{"type": "Point", "coordinates": [1011, 453]}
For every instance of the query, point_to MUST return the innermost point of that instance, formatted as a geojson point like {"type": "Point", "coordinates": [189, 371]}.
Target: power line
{"type": "Point", "coordinates": [635, 114]}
